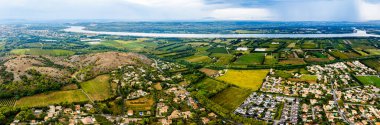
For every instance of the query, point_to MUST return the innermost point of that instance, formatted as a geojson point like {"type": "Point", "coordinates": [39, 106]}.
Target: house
{"type": "Point", "coordinates": [130, 112]}
{"type": "Point", "coordinates": [260, 49]}
{"type": "Point", "coordinates": [242, 49]}
{"type": "Point", "coordinates": [88, 120]}
{"type": "Point", "coordinates": [205, 120]}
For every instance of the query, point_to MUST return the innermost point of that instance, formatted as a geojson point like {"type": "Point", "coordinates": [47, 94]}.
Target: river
{"type": "Point", "coordinates": [359, 33]}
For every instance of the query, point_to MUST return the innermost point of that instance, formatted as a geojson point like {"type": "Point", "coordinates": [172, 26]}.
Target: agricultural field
{"type": "Point", "coordinates": [208, 72]}
{"type": "Point", "coordinates": [34, 51]}
{"type": "Point", "coordinates": [307, 78]}
{"type": "Point", "coordinates": [98, 88]}
{"type": "Point", "coordinates": [369, 80]}
{"type": "Point", "coordinates": [223, 59]}
{"type": "Point", "coordinates": [251, 59]}
{"type": "Point", "coordinates": [292, 45]}
{"type": "Point", "coordinates": [140, 104]}
{"type": "Point", "coordinates": [7, 102]}
{"type": "Point", "coordinates": [198, 59]}
{"type": "Point", "coordinates": [344, 55]}
{"type": "Point", "coordinates": [69, 87]}
{"type": "Point", "coordinates": [217, 50]}
{"type": "Point", "coordinates": [283, 74]}
{"type": "Point", "coordinates": [270, 60]}
{"type": "Point", "coordinates": [373, 63]}
{"type": "Point", "coordinates": [231, 97]}
{"type": "Point", "coordinates": [309, 45]}
{"type": "Point", "coordinates": [292, 61]}
{"type": "Point", "coordinates": [372, 51]}
{"type": "Point", "coordinates": [133, 45]}
{"type": "Point", "coordinates": [202, 51]}
{"type": "Point", "coordinates": [250, 79]}
{"type": "Point", "coordinates": [209, 87]}
{"type": "Point", "coordinates": [54, 97]}
{"type": "Point", "coordinates": [197, 44]}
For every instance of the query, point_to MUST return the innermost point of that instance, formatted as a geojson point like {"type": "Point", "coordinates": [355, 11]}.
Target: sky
{"type": "Point", "coordinates": [172, 10]}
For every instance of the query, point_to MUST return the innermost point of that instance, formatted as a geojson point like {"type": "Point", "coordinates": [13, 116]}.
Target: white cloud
{"type": "Point", "coordinates": [241, 14]}
{"type": "Point", "coordinates": [280, 10]}
{"type": "Point", "coordinates": [368, 10]}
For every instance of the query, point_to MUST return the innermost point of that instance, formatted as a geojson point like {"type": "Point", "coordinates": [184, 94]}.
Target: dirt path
{"type": "Point", "coordinates": [92, 101]}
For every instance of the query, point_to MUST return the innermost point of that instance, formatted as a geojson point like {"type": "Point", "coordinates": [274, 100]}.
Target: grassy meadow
{"type": "Point", "coordinates": [231, 97]}
{"type": "Point", "coordinates": [249, 59]}
{"type": "Point", "coordinates": [98, 88]}
{"type": "Point", "coordinates": [140, 104]}
{"type": "Point", "coordinates": [34, 51]}
{"type": "Point", "coordinates": [49, 98]}
{"type": "Point", "coordinates": [369, 80]}
{"type": "Point", "coordinates": [209, 87]}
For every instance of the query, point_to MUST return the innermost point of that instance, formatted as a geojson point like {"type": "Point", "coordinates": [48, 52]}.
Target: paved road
{"type": "Point", "coordinates": [341, 113]}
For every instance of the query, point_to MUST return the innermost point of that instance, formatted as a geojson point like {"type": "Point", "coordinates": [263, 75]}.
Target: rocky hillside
{"type": "Point", "coordinates": [94, 64]}
{"type": "Point", "coordinates": [27, 75]}
{"type": "Point", "coordinates": [82, 67]}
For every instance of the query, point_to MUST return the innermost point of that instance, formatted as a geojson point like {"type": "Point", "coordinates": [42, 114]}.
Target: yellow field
{"type": "Point", "coordinates": [251, 79]}
{"type": "Point", "coordinates": [49, 98]}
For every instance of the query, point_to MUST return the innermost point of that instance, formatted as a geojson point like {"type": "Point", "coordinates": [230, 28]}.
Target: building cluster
{"type": "Point", "coordinates": [270, 107]}
{"type": "Point", "coordinates": [340, 73]}
{"type": "Point", "coordinates": [280, 85]}
{"type": "Point", "coordinates": [367, 94]}
{"type": "Point", "coordinates": [76, 114]}
{"type": "Point", "coordinates": [361, 114]}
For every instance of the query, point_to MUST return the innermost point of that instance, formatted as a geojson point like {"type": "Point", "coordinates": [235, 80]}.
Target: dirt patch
{"type": "Point", "coordinates": [209, 72]}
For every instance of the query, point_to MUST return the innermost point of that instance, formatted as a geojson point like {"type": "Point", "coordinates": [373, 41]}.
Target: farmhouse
{"type": "Point", "coordinates": [260, 49]}
{"type": "Point", "coordinates": [242, 49]}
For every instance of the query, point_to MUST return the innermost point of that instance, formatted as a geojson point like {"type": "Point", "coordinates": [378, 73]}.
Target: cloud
{"type": "Point", "coordinates": [241, 14]}
{"type": "Point", "coordinates": [369, 10]}
{"type": "Point", "coordinates": [278, 10]}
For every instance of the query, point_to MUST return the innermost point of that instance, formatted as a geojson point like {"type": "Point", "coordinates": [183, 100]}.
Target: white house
{"type": "Point", "coordinates": [242, 49]}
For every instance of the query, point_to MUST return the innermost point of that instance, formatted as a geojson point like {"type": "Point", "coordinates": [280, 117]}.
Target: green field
{"type": "Point", "coordinates": [134, 45]}
{"type": "Point", "coordinates": [251, 79]}
{"type": "Point", "coordinates": [198, 59]}
{"type": "Point", "coordinates": [373, 63]}
{"type": "Point", "coordinates": [248, 59]}
{"type": "Point", "coordinates": [223, 59]}
{"type": "Point", "coordinates": [373, 51]}
{"type": "Point", "coordinates": [201, 51]}
{"type": "Point", "coordinates": [344, 55]}
{"type": "Point", "coordinates": [217, 50]}
{"type": "Point", "coordinates": [283, 74]}
{"type": "Point", "coordinates": [51, 52]}
{"type": "Point", "coordinates": [52, 98]}
{"type": "Point", "coordinates": [270, 60]}
{"type": "Point", "coordinates": [292, 61]}
{"type": "Point", "coordinates": [309, 45]}
{"type": "Point", "coordinates": [231, 97]}
{"type": "Point", "coordinates": [309, 78]}
{"type": "Point", "coordinates": [208, 87]}
{"type": "Point", "coordinates": [98, 88]}
{"type": "Point", "coordinates": [369, 80]}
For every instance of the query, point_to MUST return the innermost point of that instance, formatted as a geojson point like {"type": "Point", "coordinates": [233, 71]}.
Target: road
{"type": "Point", "coordinates": [341, 113]}
{"type": "Point", "coordinates": [87, 96]}
{"type": "Point", "coordinates": [155, 61]}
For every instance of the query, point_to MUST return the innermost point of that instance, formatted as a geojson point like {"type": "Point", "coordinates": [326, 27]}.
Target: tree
{"type": "Point", "coordinates": [25, 115]}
